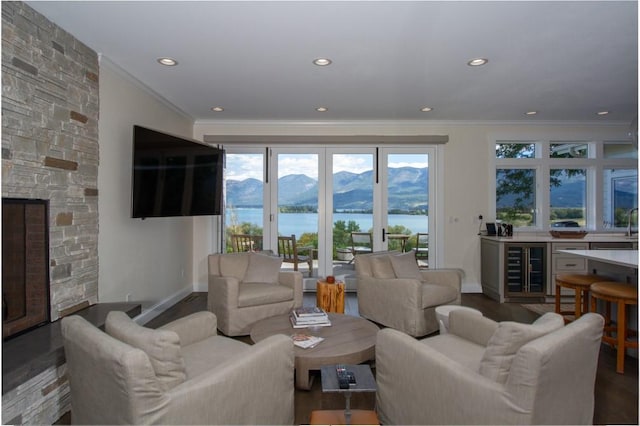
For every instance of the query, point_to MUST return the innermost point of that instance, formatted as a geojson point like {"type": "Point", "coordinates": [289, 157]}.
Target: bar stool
{"type": "Point", "coordinates": [580, 283]}
{"type": "Point", "coordinates": [623, 295]}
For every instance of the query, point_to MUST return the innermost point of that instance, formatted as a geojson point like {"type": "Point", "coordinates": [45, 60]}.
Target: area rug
{"type": "Point", "coordinates": [542, 308]}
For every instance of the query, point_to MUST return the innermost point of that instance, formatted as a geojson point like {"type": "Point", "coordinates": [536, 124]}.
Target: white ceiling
{"type": "Point", "coordinates": [566, 60]}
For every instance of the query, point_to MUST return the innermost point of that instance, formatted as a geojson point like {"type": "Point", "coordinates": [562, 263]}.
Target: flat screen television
{"type": "Point", "coordinates": [173, 176]}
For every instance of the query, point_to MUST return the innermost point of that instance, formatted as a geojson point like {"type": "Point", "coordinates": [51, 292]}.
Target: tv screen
{"type": "Point", "coordinates": [173, 176]}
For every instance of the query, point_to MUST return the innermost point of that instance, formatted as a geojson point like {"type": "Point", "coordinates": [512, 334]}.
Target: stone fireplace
{"type": "Point", "coordinates": [50, 151]}
{"type": "Point", "coordinates": [50, 111]}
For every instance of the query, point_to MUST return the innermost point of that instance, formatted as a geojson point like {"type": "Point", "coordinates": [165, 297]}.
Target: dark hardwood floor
{"type": "Point", "coordinates": [616, 395]}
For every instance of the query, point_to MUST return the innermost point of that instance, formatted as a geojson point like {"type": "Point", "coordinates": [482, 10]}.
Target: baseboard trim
{"type": "Point", "coordinates": [150, 313]}
{"type": "Point", "coordinates": [471, 288]}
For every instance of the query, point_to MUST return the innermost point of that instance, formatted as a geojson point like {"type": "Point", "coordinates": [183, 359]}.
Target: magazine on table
{"type": "Point", "coordinates": [304, 324]}
{"type": "Point", "coordinates": [306, 341]}
{"type": "Point", "coordinates": [309, 312]}
{"type": "Point", "coordinates": [310, 320]}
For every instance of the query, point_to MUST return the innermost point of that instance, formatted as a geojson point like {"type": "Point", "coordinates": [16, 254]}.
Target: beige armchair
{"type": "Point", "coordinates": [245, 288]}
{"type": "Point", "coordinates": [182, 373]}
{"type": "Point", "coordinates": [394, 292]}
{"type": "Point", "coordinates": [484, 372]}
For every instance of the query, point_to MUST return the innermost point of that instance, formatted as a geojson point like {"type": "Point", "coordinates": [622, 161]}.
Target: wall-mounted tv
{"type": "Point", "coordinates": [173, 176]}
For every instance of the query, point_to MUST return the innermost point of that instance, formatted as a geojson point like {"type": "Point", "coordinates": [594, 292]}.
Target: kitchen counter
{"type": "Point", "coordinates": [628, 258]}
{"type": "Point", "coordinates": [524, 267]}
{"type": "Point", "coordinates": [546, 238]}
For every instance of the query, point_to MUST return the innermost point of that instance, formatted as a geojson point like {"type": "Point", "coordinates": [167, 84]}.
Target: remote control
{"type": "Point", "coordinates": [343, 378]}
{"type": "Point", "coordinates": [343, 382]}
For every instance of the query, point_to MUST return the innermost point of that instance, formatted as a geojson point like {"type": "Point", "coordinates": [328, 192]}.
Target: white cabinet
{"type": "Point", "coordinates": [519, 269]}
{"type": "Point", "coordinates": [563, 263]}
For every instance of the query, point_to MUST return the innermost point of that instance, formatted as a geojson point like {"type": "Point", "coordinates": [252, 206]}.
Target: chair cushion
{"type": "Point", "coordinates": [381, 267]}
{"type": "Point", "coordinates": [465, 352]}
{"type": "Point", "coordinates": [436, 295]}
{"type": "Point", "coordinates": [508, 338]}
{"type": "Point", "coordinates": [209, 353]}
{"type": "Point", "coordinates": [405, 266]}
{"type": "Point", "coordinates": [161, 346]}
{"type": "Point", "coordinates": [253, 294]}
{"type": "Point", "coordinates": [262, 269]}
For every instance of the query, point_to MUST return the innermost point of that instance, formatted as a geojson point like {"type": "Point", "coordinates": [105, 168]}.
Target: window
{"type": "Point", "coordinates": [566, 184]}
{"type": "Point", "coordinates": [567, 198]}
{"type": "Point", "coordinates": [620, 196]}
{"type": "Point", "coordinates": [516, 196]}
{"type": "Point", "coordinates": [321, 193]}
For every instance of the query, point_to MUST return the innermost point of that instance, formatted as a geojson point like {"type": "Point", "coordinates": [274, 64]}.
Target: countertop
{"type": "Point", "coordinates": [627, 258]}
{"type": "Point", "coordinates": [535, 237]}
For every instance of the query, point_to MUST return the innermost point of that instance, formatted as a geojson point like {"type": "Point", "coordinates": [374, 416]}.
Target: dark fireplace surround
{"type": "Point", "coordinates": [25, 265]}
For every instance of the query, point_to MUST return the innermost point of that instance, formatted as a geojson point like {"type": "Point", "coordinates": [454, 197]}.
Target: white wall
{"type": "Point", "coordinates": [465, 175]}
{"type": "Point", "coordinates": [151, 260]}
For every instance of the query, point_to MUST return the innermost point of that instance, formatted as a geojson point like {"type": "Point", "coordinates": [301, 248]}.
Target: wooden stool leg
{"type": "Point", "coordinates": [585, 302]}
{"type": "Point", "coordinates": [577, 311]}
{"type": "Point", "coordinates": [621, 334]}
{"type": "Point", "coordinates": [557, 298]}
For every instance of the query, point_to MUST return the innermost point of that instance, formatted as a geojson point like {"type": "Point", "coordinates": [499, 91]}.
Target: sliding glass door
{"type": "Point", "coordinates": [326, 195]}
{"type": "Point", "coordinates": [350, 208]}
{"type": "Point", "coordinates": [405, 197]}
{"type": "Point", "coordinates": [245, 199]}
{"type": "Point", "coordinates": [295, 199]}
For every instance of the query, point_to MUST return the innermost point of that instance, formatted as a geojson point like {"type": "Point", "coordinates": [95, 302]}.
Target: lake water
{"type": "Point", "coordinates": [299, 223]}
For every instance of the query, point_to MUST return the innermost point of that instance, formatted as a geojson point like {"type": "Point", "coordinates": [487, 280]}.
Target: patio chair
{"type": "Point", "coordinates": [288, 251]}
{"type": "Point", "coordinates": [422, 247]}
{"type": "Point", "coordinates": [243, 242]}
{"type": "Point", "coordinates": [361, 242]}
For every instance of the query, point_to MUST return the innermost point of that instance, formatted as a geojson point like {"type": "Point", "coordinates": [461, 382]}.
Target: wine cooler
{"type": "Point", "coordinates": [525, 274]}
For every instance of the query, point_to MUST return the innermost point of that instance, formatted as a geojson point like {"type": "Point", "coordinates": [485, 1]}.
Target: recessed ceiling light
{"type": "Point", "coordinates": [322, 62]}
{"type": "Point", "coordinates": [602, 112]}
{"type": "Point", "coordinates": [217, 109]}
{"type": "Point", "coordinates": [426, 109]}
{"type": "Point", "coordinates": [169, 62]}
{"type": "Point", "coordinates": [322, 109]}
{"type": "Point", "coordinates": [531, 112]}
{"type": "Point", "coordinates": [476, 62]}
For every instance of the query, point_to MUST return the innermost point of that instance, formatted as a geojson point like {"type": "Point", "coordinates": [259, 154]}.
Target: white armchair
{"type": "Point", "coordinates": [484, 372]}
{"type": "Point", "coordinates": [245, 288]}
{"type": "Point", "coordinates": [394, 292]}
{"type": "Point", "coordinates": [182, 373]}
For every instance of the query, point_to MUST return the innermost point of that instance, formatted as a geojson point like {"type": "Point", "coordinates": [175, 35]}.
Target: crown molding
{"type": "Point", "coordinates": [107, 62]}
{"type": "Point", "coordinates": [407, 127]}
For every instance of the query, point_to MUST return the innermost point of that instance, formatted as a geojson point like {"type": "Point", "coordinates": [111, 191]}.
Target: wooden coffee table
{"type": "Point", "coordinates": [349, 340]}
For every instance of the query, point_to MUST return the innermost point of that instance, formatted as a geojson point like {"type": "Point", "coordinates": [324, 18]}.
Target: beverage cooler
{"type": "Point", "coordinates": [525, 270]}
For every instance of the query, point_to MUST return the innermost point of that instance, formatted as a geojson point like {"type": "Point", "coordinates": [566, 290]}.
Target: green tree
{"type": "Point", "coordinates": [518, 185]}
{"type": "Point", "coordinates": [342, 234]}
{"type": "Point", "coordinates": [242, 228]}
{"type": "Point", "coordinates": [398, 229]}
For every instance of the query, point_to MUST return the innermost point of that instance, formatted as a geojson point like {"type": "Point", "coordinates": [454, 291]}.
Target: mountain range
{"type": "Point", "coordinates": [353, 191]}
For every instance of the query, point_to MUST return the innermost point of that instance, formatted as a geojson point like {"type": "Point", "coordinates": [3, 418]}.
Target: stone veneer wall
{"type": "Point", "coordinates": [50, 110]}
{"type": "Point", "coordinates": [50, 143]}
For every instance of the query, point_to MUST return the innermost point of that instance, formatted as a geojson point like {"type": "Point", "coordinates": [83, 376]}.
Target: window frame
{"type": "Point", "coordinates": [594, 163]}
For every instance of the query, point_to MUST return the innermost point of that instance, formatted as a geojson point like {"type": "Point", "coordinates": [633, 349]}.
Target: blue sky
{"type": "Point", "coordinates": [244, 166]}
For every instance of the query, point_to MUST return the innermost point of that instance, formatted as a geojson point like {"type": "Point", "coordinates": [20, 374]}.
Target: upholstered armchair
{"type": "Point", "coordinates": [245, 288]}
{"type": "Point", "coordinates": [182, 373]}
{"type": "Point", "coordinates": [394, 292]}
{"type": "Point", "coordinates": [483, 372]}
